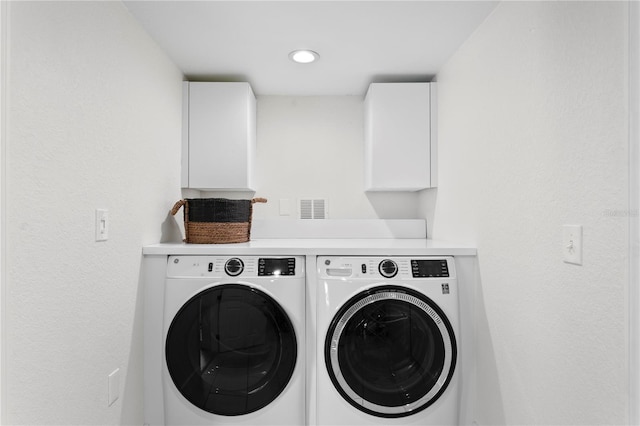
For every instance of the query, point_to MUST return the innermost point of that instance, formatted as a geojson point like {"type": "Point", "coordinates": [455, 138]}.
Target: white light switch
{"type": "Point", "coordinates": [102, 225]}
{"type": "Point", "coordinates": [114, 386]}
{"type": "Point", "coordinates": [572, 244]}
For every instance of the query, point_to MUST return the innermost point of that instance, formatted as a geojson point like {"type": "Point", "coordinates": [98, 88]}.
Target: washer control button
{"type": "Point", "coordinates": [388, 268]}
{"type": "Point", "coordinates": [234, 267]}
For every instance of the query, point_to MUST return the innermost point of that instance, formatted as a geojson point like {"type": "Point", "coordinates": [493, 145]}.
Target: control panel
{"type": "Point", "coordinates": [391, 268]}
{"type": "Point", "coordinates": [425, 268]}
{"type": "Point", "coordinates": [268, 266]}
{"type": "Point", "coordinates": [235, 266]}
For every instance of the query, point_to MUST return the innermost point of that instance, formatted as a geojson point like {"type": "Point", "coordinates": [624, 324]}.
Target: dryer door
{"type": "Point", "coordinates": [390, 351]}
{"type": "Point", "coordinates": [231, 350]}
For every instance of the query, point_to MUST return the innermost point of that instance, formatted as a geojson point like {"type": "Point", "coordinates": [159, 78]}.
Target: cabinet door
{"type": "Point", "coordinates": [221, 141]}
{"type": "Point", "coordinates": [398, 142]}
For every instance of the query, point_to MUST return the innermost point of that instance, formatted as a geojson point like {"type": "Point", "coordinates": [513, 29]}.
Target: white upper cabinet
{"type": "Point", "coordinates": [400, 143]}
{"type": "Point", "coordinates": [219, 136]}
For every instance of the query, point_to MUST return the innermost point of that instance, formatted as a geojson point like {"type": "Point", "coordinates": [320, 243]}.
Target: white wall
{"type": "Point", "coordinates": [313, 147]}
{"type": "Point", "coordinates": [94, 115]}
{"type": "Point", "coordinates": [533, 135]}
{"type": "Point", "coordinates": [634, 209]}
{"type": "Point", "coordinates": [3, 110]}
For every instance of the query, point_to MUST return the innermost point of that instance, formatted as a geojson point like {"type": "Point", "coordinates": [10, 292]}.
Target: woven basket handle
{"type": "Point", "coordinates": [177, 206]}
{"type": "Point", "coordinates": [258, 200]}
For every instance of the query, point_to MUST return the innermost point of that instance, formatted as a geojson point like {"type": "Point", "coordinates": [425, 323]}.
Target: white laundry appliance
{"type": "Point", "coordinates": [387, 341]}
{"type": "Point", "coordinates": [232, 342]}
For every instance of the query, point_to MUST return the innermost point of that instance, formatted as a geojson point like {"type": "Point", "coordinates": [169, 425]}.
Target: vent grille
{"type": "Point", "coordinates": [313, 209]}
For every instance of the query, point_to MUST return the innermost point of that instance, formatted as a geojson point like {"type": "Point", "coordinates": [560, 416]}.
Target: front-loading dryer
{"type": "Point", "coordinates": [388, 341]}
{"type": "Point", "coordinates": [233, 345]}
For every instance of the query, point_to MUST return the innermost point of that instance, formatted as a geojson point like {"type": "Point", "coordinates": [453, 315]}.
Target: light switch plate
{"type": "Point", "coordinates": [572, 244]}
{"type": "Point", "coordinates": [102, 224]}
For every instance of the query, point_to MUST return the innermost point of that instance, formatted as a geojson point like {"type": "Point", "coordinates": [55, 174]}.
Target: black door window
{"type": "Point", "coordinates": [390, 352]}
{"type": "Point", "coordinates": [231, 350]}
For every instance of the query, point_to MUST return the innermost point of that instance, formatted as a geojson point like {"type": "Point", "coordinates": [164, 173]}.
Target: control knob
{"type": "Point", "coordinates": [234, 267]}
{"type": "Point", "coordinates": [388, 268]}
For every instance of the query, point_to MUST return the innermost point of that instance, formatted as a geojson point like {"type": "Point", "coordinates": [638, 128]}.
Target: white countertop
{"type": "Point", "coordinates": [318, 247]}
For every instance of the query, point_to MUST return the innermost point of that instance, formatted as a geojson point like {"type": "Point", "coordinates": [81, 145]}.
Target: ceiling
{"type": "Point", "coordinates": [359, 42]}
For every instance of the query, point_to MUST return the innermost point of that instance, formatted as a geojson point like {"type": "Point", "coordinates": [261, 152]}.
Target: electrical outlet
{"type": "Point", "coordinates": [102, 225]}
{"type": "Point", "coordinates": [572, 244]}
{"type": "Point", "coordinates": [114, 386]}
{"type": "Point", "coordinates": [285, 207]}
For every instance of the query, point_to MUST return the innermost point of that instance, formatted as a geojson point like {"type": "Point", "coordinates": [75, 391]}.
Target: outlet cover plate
{"type": "Point", "coordinates": [114, 386]}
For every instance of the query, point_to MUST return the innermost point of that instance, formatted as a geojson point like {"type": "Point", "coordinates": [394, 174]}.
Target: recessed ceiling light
{"type": "Point", "coordinates": [303, 56]}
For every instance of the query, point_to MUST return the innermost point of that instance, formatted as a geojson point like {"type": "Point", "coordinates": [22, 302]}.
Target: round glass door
{"type": "Point", "coordinates": [231, 350]}
{"type": "Point", "coordinates": [390, 352]}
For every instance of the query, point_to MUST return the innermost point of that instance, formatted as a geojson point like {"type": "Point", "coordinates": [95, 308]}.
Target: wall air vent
{"type": "Point", "coordinates": [313, 208]}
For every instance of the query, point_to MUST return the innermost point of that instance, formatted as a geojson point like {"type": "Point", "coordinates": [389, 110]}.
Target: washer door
{"type": "Point", "coordinates": [231, 350]}
{"type": "Point", "coordinates": [390, 351]}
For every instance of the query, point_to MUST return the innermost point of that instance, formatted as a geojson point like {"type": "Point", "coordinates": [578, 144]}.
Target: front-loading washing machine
{"type": "Point", "coordinates": [388, 342]}
{"type": "Point", "coordinates": [233, 346]}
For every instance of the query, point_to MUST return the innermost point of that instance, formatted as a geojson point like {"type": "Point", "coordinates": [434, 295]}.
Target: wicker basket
{"type": "Point", "coordinates": [216, 220]}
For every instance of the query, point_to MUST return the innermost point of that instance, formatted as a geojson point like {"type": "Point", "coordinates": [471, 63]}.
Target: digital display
{"type": "Point", "coordinates": [276, 266]}
{"type": "Point", "coordinates": [429, 268]}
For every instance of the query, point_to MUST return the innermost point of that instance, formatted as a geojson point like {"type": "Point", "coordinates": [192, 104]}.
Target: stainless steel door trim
{"type": "Point", "coordinates": [444, 332]}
